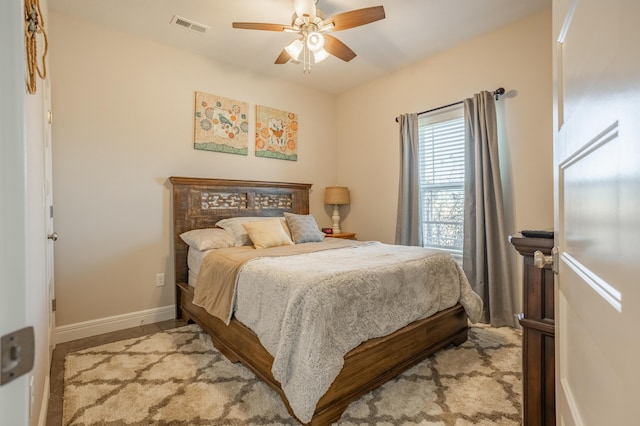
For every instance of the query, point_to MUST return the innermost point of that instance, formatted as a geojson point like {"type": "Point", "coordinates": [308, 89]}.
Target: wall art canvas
{"type": "Point", "coordinates": [221, 124]}
{"type": "Point", "coordinates": [276, 134]}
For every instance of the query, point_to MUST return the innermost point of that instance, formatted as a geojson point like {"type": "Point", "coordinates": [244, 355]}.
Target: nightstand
{"type": "Point", "coordinates": [344, 235]}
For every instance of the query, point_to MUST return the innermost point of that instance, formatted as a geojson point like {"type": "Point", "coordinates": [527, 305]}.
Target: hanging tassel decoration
{"type": "Point", "coordinates": [34, 25]}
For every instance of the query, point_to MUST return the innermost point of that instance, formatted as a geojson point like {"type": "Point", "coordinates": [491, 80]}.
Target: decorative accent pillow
{"type": "Point", "coordinates": [283, 221]}
{"type": "Point", "coordinates": [234, 225]}
{"type": "Point", "coordinates": [267, 233]}
{"type": "Point", "coordinates": [208, 238]}
{"type": "Point", "coordinates": [304, 228]}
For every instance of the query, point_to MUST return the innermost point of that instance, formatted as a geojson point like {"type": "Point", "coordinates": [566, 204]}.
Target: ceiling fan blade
{"type": "Point", "coordinates": [338, 48]}
{"type": "Point", "coordinates": [259, 26]}
{"type": "Point", "coordinates": [283, 57]}
{"type": "Point", "coordinates": [355, 18]}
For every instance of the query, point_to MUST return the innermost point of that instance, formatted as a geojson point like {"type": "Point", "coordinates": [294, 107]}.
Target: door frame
{"type": "Point", "coordinates": [49, 215]}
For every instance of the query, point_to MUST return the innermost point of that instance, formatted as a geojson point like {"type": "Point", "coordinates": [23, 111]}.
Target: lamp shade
{"type": "Point", "coordinates": [336, 195]}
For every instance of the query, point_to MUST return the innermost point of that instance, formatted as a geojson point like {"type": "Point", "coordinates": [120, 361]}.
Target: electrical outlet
{"type": "Point", "coordinates": [159, 280]}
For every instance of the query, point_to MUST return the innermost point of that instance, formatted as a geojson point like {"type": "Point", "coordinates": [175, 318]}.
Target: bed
{"type": "Point", "coordinates": [200, 203]}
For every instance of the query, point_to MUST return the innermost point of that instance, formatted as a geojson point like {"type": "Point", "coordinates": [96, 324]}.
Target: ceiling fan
{"type": "Point", "coordinates": [314, 44]}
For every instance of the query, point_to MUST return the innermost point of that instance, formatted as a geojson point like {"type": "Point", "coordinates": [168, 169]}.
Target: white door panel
{"type": "Point", "coordinates": [597, 199]}
{"type": "Point", "coordinates": [14, 395]}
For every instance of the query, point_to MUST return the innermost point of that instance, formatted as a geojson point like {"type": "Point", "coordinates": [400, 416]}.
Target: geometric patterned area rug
{"type": "Point", "coordinates": [177, 377]}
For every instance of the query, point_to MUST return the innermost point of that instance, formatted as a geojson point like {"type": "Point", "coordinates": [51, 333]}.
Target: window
{"type": "Point", "coordinates": [441, 156]}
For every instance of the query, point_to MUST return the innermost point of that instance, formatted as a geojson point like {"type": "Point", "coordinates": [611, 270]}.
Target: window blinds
{"type": "Point", "coordinates": [441, 156]}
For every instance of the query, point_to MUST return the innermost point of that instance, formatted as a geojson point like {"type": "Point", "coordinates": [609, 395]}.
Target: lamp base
{"type": "Point", "coordinates": [336, 219]}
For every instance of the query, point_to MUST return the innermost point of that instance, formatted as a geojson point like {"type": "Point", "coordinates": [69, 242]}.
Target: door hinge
{"type": "Point", "coordinates": [51, 211]}
{"type": "Point", "coordinates": [50, 117]}
{"type": "Point", "coordinates": [53, 305]}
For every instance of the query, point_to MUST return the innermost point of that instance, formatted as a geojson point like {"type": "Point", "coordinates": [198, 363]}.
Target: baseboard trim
{"type": "Point", "coordinates": [80, 330]}
{"type": "Point", "coordinates": [44, 408]}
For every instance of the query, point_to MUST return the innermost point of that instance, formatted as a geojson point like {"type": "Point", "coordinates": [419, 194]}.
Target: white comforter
{"type": "Point", "coordinates": [308, 317]}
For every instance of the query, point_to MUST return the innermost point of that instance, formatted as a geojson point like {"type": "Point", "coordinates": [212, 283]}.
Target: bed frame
{"type": "Point", "coordinates": [200, 203]}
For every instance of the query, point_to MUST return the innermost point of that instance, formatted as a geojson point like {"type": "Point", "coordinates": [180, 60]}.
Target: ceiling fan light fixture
{"type": "Point", "coordinates": [315, 41]}
{"type": "Point", "coordinates": [313, 32]}
{"type": "Point", "coordinates": [294, 49]}
{"type": "Point", "coordinates": [320, 55]}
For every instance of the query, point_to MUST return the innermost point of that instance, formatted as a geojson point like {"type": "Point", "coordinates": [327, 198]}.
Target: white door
{"type": "Point", "coordinates": [597, 199]}
{"type": "Point", "coordinates": [14, 402]}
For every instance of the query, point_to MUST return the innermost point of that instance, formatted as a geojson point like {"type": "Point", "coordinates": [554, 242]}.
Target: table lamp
{"type": "Point", "coordinates": [336, 195]}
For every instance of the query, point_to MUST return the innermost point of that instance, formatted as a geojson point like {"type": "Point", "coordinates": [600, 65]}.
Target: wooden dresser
{"type": "Point", "coordinates": [538, 333]}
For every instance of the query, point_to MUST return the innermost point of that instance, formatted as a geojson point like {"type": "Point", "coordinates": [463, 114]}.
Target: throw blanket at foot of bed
{"type": "Point", "coordinates": [219, 271]}
{"type": "Point", "coordinates": [308, 315]}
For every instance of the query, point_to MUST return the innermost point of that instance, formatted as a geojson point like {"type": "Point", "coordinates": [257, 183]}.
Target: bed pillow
{"type": "Point", "coordinates": [208, 238]}
{"type": "Point", "coordinates": [283, 221]}
{"type": "Point", "coordinates": [267, 233]}
{"type": "Point", "coordinates": [234, 225]}
{"type": "Point", "coordinates": [304, 228]}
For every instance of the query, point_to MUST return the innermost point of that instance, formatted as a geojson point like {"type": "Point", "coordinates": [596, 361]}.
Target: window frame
{"type": "Point", "coordinates": [451, 113]}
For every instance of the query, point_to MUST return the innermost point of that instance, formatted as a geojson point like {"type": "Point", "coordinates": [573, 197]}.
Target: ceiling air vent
{"type": "Point", "coordinates": [189, 24]}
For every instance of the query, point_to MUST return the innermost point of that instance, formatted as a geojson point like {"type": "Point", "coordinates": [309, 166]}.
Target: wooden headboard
{"type": "Point", "coordinates": [200, 203]}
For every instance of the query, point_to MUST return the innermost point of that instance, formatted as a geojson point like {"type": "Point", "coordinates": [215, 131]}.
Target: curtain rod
{"type": "Point", "coordinates": [499, 91]}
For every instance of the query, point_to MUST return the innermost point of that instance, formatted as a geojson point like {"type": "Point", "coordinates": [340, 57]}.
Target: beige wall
{"type": "Point", "coordinates": [516, 57]}
{"type": "Point", "coordinates": [123, 123]}
{"type": "Point", "coordinates": [123, 109]}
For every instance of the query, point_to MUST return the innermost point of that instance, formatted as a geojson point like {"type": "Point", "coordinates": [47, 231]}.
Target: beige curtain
{"type": "Point", "coordinates": [409, 222]}
{"type": "Point", "coordinates": [486, 256]}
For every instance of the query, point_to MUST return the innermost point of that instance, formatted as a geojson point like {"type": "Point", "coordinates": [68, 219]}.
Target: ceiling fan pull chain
{"type": "Point", "coordinates": [307, 31]}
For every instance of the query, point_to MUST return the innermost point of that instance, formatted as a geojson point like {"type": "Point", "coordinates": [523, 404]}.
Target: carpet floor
{"type": "Point", "coordinates": [177, 377]}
